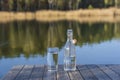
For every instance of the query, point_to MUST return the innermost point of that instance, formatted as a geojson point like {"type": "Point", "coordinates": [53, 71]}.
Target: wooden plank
{"type": "Point", "coordinates": [115, 68]}
{"type": "Point", "coordinates": [75, 75]}
{"type": "Point", "coordinates": [49, 75]}
{"type": "Point", "coordinates": [86, 73]}
{"type": "Point", "coordinates": [83, 72]}
{"type": "Point", "coordinates": [37, 73]}
{"type": "Point", "coordinates": [109, 72]}
{"type": "Point", "coordinates": [11, 75]}
{"type": "Point", "coordinates": [25, 73]}
{"type": "Point", "coordinates": [98, 73]}
{"type": "Point", "coordinates": [61, 74]}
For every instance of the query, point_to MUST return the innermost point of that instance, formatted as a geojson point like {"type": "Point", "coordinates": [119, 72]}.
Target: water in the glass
{"type": "Point", "coordinates": [52, 59]}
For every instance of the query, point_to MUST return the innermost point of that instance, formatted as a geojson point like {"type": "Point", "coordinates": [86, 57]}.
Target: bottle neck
{"type": "Point", "coordinates": [69, 35]}
{"type": "Point", "coordinates": [70, 38]}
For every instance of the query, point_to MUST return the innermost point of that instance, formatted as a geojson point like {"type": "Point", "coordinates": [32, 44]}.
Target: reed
{"type": "Point", "coordinates": [50, 15]}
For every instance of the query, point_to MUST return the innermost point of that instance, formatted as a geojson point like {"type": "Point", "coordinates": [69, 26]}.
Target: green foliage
{"type": "Point", "coordinates": [109, 3]}
{"type": "Point", "coordinates": [106, 1]}
{"type": "Point", "coordinates": [33, 5]}
{"type": "Point", "coordinates": [90, 7]}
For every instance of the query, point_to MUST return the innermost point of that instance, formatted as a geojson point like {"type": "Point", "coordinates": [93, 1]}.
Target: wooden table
{"type": "Point", "coordinates": [83, 72]}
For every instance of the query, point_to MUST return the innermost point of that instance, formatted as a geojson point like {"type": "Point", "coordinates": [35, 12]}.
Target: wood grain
{"type": "Point", "coordinates": [83, 72]}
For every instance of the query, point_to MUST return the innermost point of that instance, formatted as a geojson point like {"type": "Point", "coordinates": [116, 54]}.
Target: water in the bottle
{"type": "Point", "coordinates": [70, 63]}
{"type": "Point", "coordinates": [70, 53]}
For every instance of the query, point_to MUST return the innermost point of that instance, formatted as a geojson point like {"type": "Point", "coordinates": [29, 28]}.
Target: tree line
{"type": "Point", "coordinates": [34, 5]}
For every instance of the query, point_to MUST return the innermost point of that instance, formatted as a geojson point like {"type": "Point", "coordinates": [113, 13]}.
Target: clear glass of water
{"type": "Point", "coordinates": [52, 59]}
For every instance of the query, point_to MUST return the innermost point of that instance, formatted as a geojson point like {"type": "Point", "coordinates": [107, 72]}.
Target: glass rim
{"type": "Point", "coordinates": [53, 49]}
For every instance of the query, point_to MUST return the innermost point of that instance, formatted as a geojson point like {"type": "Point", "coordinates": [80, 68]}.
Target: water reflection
{"type": "Point", "coordinates": [33, 38]}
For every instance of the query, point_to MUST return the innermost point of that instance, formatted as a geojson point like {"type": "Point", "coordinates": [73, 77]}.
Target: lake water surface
{"type": "Point", "coordinates": [26, 42]}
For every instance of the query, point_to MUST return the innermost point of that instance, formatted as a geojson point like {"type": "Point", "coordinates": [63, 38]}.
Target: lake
{"type": "Point", "coordinates": [26, 42]}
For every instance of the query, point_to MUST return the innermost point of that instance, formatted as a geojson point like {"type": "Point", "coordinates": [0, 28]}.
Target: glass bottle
{"type": "Point", "coordinates": [69, 53]}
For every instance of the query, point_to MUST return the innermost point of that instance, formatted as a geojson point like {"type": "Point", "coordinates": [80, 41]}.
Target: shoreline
{"type": "Point", "coordinates": [88, 15]}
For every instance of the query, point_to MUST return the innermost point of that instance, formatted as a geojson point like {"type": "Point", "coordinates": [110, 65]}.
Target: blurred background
{"type": "Point", "coordinates": [25, 35]}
